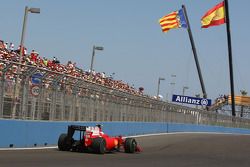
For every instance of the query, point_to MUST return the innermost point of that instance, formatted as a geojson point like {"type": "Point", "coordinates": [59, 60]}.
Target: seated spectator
{"type": "Point", "coordinates": [2, 65]}
{"type": "Point", "coordinates": [24, 51]}
{"type": "Point", "coordinates": [11, 47]}
{"type": "Point", "coordinates": [33, 57]}
{"type": "Point", "coordinates": [55, 60]}
{"type": "Point", "coordinates": [45, 62]}
{"type": "Point", "coordinates": [1, 44]}
{"type": "Point", "coordinates": [6, 45]}
{"type": "Point", "coordinates": [141, 89]}
{"type": "Point", "coordinates": [103, 75]}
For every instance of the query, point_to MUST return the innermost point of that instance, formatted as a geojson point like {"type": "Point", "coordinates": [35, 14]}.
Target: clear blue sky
{"type": "Point", "coordinates": [134, 46]}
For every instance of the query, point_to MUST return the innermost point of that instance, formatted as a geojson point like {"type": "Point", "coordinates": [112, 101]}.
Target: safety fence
{"type": "Point", "coordinates": [34, 93]}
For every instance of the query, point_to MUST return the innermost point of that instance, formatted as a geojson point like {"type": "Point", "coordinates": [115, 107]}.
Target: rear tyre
{"type": "Point", "coordinates": [130, 145]}
{"type": "Point", "coordinates": [99, 145]}
{"type": "Point", "coordinates": [64, 142]}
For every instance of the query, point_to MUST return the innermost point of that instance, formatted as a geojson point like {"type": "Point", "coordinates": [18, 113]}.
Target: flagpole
{"type": "Point", "coordinates": [230, 57]}
{"type": "Point", "coordinates": [195, 53]}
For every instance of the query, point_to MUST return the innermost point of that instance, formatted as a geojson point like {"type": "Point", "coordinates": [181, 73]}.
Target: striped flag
{"type": "Point", "coordinates": [214, 16]}
{"type": "Point", "coordinates": [175, 19]}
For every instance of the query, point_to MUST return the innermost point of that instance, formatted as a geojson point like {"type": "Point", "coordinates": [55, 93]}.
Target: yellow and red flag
{"type": "Point", "coordinates": [214, 16]}
{"type": "Point", "coordinates": [175, 19]}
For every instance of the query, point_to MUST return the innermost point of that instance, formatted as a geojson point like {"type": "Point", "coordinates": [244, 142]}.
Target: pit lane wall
{"type": "Point", "coordinates": [20, 133]}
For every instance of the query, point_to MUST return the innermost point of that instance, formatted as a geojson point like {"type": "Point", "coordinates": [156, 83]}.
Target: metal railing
{"type": "Point", "coordinates": [60, 97]}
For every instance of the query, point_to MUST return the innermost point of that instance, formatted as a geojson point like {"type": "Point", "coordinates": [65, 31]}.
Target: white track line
{"type": "Point", "coordinates": [29, 148]}
{"type": "Point", "coordinates": [175, 133]}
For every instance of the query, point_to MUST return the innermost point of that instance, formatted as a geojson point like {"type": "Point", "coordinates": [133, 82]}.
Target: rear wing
{"type": "Point", "coordinates": [73, 128]}
{"type": "Point", "coordinates": [77, 127]}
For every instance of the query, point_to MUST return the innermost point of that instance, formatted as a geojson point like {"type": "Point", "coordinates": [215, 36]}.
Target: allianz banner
{"type": "Point", "coordinates": [191, 100]}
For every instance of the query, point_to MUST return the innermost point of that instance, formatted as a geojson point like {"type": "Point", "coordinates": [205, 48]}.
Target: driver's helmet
{"type": "Point", "coordinates": [99, 126]}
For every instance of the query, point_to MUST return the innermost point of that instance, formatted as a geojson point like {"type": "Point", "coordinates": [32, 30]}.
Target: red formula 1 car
{"type": "Point", "coordinates": [92, 139]}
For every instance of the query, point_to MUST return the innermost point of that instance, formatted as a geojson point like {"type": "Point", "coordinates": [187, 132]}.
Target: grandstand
{"type": "Point", "coordinates": [240, 100]}
{"type": "Point", "coordinates": [223, 106]}
{"type": "Point", "coordinates": [54, 65]}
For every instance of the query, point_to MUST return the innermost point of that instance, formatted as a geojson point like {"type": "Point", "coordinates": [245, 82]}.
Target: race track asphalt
{"type": "Point", "coordinates": [171, 150]}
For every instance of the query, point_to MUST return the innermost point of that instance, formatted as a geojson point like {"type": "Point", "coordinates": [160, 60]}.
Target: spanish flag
{"type": "Point", "coordinates": [214, 16]}
{"type": "Point", "coordinates": [175, 19]}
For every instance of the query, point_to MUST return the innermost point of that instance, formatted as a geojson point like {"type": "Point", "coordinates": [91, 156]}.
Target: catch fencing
{"type": "Point", "coordinates": [33, 93]}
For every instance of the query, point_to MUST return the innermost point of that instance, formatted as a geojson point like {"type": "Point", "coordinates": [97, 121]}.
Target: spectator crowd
{"type": "Point", "coordinates": [9, 53]}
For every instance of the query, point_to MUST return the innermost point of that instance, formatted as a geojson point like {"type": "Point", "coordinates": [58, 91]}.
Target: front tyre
{"type": "Point", "coordinates": [130, 145]}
